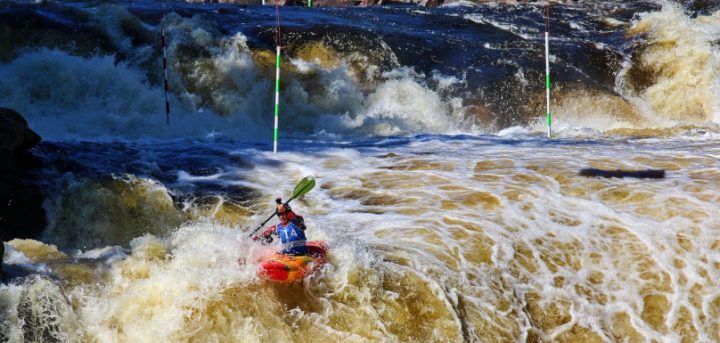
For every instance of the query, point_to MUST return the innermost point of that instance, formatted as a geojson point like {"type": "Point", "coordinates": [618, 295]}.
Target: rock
{"type": "Point", "coordinates": [479, 114]}
{"type": "Point", "coordinates": [24, 28]}
{"type": "Point", "coordinates": [110, 211]}
{"type": "Point", "coordinates": [363, 3]}
{"type": "Point", "coordinates": [433, 3]}
{"type": "Point", "coordinates": [700, 7]}
{"type": "Point", "coordinates": [21, 212]}
{"type": "Point", "coordinates": [15, 139]}
{"type": "Point", "coordinates": [15, 131]}
{"type": "Point", "coordinates": [243, 2]}
{"type": "Point", "coordinates": [328, 3]}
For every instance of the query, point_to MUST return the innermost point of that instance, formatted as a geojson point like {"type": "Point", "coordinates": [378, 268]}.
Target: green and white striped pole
{"type": "Point", "coordinates": [547, 69]}
{"type": "Point", "coordinates": [309, 3]}
{"type": "Point", "coordinates": [547, 84]}
{"type": "Point", "coordinates": [277, 98]}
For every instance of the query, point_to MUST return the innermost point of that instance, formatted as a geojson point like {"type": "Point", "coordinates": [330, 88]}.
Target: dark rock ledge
{"type": "Point", "coordinates": [21, 211]}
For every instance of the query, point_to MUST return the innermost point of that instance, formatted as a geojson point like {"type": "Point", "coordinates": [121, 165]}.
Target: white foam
{"type": "Point", "coordinates": [195, 264]}
{"type": "Point", "coordinates": [459, 3]}
{"type": "Point", "coordinates": [17, 258]}
{"type": "Point", "coordinates": [70, 97]}
{"type": "Point", "coordinates": [527, 33]}
{"type": "Point", "coordinates": [184, 176]}
{"type": "Point", "coordinates": [204, 261]}
{"type": "Point", "coordinates": [66, 97]}
{"type": "Point", "coordinates": [11, 326]}
{"type": "Point", "coordinates": [108, 254]}
{"type": "Point", "coordinates": [683, 59]}
{"type": "Point", "coordinates": [515, 131]}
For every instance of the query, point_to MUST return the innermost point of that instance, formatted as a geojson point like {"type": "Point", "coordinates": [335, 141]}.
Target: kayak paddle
{"type": "Point", "coordinates": [304, 186]}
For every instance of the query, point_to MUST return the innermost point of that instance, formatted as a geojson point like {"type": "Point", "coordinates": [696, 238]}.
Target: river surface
{"type": "Point", "coordinates": [449, 214]}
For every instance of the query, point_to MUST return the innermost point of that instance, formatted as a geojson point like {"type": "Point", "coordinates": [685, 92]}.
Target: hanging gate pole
{"type": "Point", "coordinates": [277, 97]}
{"type": "Point", "coordinates": [547, 69]}
{"type": "Point", "coordinates": [277, 75]}
{"type": "Point", "coordinates": [167, 103]}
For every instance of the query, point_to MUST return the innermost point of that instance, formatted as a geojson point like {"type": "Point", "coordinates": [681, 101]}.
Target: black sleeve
{"type": "Point", "coordinates": [300, 222]}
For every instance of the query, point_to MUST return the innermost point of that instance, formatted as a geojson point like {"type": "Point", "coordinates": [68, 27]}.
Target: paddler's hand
{"type": "Point", "coordinates": [266, 236]}
{"type": "Point", "coordinates": [263, 239]}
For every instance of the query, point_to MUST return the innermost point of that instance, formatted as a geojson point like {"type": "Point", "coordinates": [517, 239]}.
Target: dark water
{"type": "Point", "coordinates": [351, 71]}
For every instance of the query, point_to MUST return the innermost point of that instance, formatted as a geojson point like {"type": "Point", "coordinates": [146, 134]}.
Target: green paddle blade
{"type": "Point", "coordinates": [304, 186]}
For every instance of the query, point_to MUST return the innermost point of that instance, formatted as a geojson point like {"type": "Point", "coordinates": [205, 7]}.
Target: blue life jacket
{"type": "Point", "coordinates": [292, 238]}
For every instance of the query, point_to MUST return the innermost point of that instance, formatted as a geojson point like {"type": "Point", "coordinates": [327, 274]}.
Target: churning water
{"type": "Point", "coordinates": [449, 215]}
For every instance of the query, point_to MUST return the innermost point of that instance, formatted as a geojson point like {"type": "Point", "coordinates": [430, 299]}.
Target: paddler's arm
{"type": "Point", "coordinates": [266, 236]}
{"type": "Point", "coordinates": [299, 221]}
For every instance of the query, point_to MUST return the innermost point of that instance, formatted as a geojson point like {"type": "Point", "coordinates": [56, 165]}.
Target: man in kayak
{"type": "Point", "coordinates": [291, 231]}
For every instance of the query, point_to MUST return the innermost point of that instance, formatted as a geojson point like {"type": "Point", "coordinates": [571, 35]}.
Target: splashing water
{"type": "Point", "coordinates": [436, 233]}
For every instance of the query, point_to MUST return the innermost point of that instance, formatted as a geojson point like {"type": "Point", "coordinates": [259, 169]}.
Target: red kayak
{"type": "Point", "coordinates": [287, 268]}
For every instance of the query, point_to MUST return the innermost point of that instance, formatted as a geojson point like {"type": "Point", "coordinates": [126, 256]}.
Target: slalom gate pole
{"type": "Point", "coordinates": [309, 3]}
{"type": "Point", "coordinates": [167, 103]}
{"type": "Point", "coordinates": [277, 97]}
{"type": "Point", "coordinates": [547, 69]}
{"type": "Point", "coordinates": [277, 75]}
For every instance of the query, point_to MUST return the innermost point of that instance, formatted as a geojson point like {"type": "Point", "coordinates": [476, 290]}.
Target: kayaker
{"type": "Point", "coordinates": [291, 231]}
{"type": "Point", "coordinates": [292, 216]}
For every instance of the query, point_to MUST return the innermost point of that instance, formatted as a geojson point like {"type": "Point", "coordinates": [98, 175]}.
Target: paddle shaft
{"type": "Point", "coordinates": [304, 186]}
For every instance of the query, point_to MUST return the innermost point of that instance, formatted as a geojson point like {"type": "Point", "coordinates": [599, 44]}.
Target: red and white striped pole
{"type": "Point", "coordinates": [167, 103]}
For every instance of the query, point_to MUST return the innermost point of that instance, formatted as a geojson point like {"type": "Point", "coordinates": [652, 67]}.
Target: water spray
{"type": "Point", "coordinates": [547, 69]}
{"type": "Point", "coordinates": [167, 103]}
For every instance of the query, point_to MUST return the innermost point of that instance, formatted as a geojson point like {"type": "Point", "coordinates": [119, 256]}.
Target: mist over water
{"type": "Point", "coordinates": [449, 215]}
